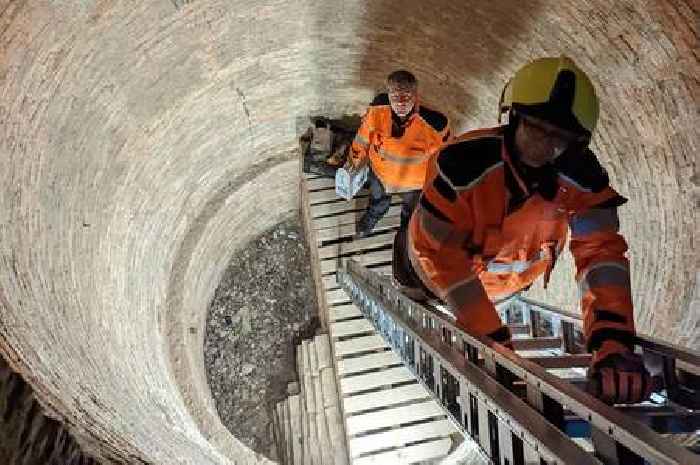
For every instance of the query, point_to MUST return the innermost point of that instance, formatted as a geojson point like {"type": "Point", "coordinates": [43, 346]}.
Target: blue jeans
{"type": "Point", "coordinates": [379, 200]}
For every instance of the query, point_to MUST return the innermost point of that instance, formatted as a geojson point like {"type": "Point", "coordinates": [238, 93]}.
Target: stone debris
{"type": "Point", "coordinates": [264, 305]}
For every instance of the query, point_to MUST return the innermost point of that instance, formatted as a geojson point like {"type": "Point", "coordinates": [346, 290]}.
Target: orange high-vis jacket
{"type": "Point", "coordinates": [471, 248]}
{"type": "Point", "coordinates": [398, 153]}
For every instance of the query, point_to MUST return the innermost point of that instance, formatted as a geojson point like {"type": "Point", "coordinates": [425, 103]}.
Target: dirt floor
{"type": "Point", "coordinates": [262, 308]}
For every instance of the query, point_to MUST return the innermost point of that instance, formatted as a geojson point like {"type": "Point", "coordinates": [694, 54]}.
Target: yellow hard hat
{"type": "Point", "coordinates": [553, 89]}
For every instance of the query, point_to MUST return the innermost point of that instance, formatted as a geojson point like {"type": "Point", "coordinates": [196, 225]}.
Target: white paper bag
{"type": "Point", "coordinates": [347, 184]}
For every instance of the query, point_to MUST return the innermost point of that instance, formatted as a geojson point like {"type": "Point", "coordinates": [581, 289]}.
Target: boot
{"type": "Point", "coordinates": [365, 225]}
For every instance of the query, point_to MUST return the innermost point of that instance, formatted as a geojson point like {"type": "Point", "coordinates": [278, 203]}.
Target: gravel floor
{"type": "Point", "coordinates": [263, 306]}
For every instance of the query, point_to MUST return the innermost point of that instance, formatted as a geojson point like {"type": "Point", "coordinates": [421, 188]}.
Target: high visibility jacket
{"type": "Point", "coordinates": [398, 152]}
{"type": "Point", "coordinates": [470, 247]}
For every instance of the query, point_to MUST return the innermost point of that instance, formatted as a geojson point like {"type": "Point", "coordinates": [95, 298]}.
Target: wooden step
{"type": "Point", "coordinates": [411, 454]}
{"type": "Point", "coordinates": [385, 398]}
{"type": "Point", "coordinates": [366, 362]}
{"type": "Point", "coordinates": [319, 182]}
{"type": "Point", "coordinates": [350, 217]}
{"type": "Point", "coordinates": [338, 208]}
{"type": "Point", "coordinates": [359, 344]}
{"type": "Point", "coordinates": [394, 416]}
{"type": "Point", "coordinates": [401, 436]}
{"type": "Point", "coordinates": [371, 258]}
{"type": "Point", "coordinates": [375, 379]}
{"type": "Point", "coordinates": [359, 245]}
{"type": "Point", "coordinates": [350, 328]}
{"type": "Point", "coordinates": [348, 230]}
{"type": "Point", "coordinates": [343, 312]}
{"type": "Point", "coordinates": [337, 296]}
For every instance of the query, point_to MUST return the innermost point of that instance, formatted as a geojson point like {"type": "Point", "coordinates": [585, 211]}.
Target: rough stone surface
{"type": "Point", "coordinates": [130, 133]}
{"type": "Point", "coordinates": [263, 306]}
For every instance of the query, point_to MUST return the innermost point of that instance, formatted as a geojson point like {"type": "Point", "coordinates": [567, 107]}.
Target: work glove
{"type": "Point", "coordinates": [618, 376]}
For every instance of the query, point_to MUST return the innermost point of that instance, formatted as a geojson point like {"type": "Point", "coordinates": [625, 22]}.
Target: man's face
{"type": "Point", "coordinates": [402, 99]}
{"type": "Point", "coordinates": [540, 142]}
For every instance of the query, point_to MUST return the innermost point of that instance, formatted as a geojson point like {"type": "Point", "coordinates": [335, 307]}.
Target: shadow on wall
{"type": "Point", "coordinates": [27, 435]}
{"type": "Point", "coordinates": [456, 49]}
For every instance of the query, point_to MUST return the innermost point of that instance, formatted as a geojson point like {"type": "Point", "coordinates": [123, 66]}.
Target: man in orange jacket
{"type": "Point", "coordinates": [495, 213]}
{"type": "Point", "coordinates": [397, 137]}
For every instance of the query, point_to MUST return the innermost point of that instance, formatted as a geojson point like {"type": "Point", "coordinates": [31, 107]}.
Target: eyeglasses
{"type": "Point", "coordinates": [550, 131]}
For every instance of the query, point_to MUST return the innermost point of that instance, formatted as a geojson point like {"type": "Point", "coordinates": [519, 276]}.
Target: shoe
{"type": "Point", "coordinates": [365, 226]}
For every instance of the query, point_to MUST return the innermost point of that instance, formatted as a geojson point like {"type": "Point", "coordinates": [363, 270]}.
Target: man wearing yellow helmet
{"type": "Point", "coordinates": [495, 212]}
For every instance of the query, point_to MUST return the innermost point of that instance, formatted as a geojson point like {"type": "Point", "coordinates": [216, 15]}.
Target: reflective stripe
{"type": "Point", "coordinates": [403, 160]}
{"type": "Point", "coordinates": [605, 274]}
{"type": "Point", "coordinates": [440, 230]}
{"type": "Point", "coordinates": [477, 180]}
{"type": "Point", "coordinates": [594, 220]}
{"type": "Point", "coordinates": [467, 291]}
{"type": "Point", "coordinates": [361, 140]}
{"type": "Point", "coordinates": [517, 266]}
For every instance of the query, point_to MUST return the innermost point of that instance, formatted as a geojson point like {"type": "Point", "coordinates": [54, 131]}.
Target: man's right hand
{"type": "Point", "coordinates": [618, 376]}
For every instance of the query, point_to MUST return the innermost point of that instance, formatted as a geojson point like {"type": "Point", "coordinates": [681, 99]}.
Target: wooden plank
{"type": "Point", "coordinates": [385, 398]}
{"type": "Point", "coordinates": [375, 379]}
{"type": "Point", "coordinates": [350, 327]}
{"type": "Point", "coordinates": [367, 362]}
{"type": "Point", "coordinates": [317, 183]}
{"type": "Point", "coordinates": [348, 230]}
{"type": "Point", "coordinates": [359, 344]}
{"type": "Point", "coordinates": [337, 208]}
{"type": "Point", "coordinates": [310, 234]}
{"type": "Point", "coordinates": [343, 312]}
{"type": "Point", "coordinates": [330, 282]}
{"type": "Point", "coordinates": [411, 454]}
{"type": "Point", "coordinates": [371, 258]}
{"type": "Point", "coordinates": [337, 296]}
{"type": "Point", "coordinates": [347, 218]}
{"type": "Point", "coordinates": [343, 248]}
{"type": "Point", "coordinates": [401, 436]}
{"type": "Point", "coordinates": [329, 195]}
{"type": "Point", "coordinates": [385, 418]}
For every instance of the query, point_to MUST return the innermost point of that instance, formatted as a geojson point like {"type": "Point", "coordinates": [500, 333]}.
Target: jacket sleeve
{"type": "Point", "coordinates": [359, 150]}
{"type": "Point", "coordinates": [603, 274]}
{"type": "Point", "coordinates": [447, 261]}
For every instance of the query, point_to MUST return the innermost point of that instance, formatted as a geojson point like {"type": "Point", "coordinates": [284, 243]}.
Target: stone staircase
{"type": "Point", "coordinates": [308, 425]}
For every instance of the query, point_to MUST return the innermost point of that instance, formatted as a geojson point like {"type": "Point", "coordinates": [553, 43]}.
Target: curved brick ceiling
{"type": "Point", "coordinates": [141, 143]}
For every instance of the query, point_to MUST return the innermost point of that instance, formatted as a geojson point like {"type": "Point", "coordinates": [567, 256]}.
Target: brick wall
{"type": "Point", "coordinates": [133, 136]}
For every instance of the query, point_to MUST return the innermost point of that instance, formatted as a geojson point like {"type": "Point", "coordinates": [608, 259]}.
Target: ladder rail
{"type": "Point", "coordinates": [381, 302]}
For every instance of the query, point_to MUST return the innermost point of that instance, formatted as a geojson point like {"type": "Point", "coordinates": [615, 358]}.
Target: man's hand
{"type": "Point", "coordinates": [618, 376]}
